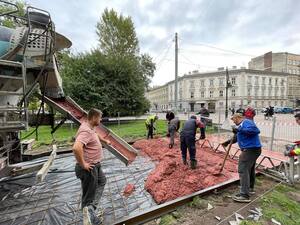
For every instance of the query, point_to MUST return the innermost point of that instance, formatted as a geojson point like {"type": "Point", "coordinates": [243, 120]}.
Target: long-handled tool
{"type": "Point", "coordinates": [227, 153]}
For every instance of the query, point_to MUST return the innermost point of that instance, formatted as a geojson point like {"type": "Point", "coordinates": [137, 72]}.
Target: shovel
{"type": "Point", "coordinates": [227, 153]}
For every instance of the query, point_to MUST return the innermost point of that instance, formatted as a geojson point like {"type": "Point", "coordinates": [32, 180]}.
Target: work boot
{"type": "Point", "coordinates": [193, 164]}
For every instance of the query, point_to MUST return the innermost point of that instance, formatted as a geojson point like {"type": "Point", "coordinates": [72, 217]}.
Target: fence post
{"type": "Point", "coordinates": [119, 121]}
{"type": "Point", "coordinates": [273, 133]}
{"type": "Point", "coordinates": [219, 121]}
{"type": "Point", "coordinates": [292, 171]}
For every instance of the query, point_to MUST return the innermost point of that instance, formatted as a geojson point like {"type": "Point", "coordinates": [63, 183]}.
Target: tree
{"type": "Point", "coordinates": [8, 21]}
{"type": "Point", "coordinates": [114, 76]}
{"type": "Point", "coordinates": [116, 34]}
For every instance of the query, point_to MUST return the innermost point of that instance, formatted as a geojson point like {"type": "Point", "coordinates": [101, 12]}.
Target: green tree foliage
{"type": "Point", "coordinates": [113, 77]}
{"type": "Point", "coordinates": [8, 21]}
{"type": "Point", "coordinates": [116, 34]}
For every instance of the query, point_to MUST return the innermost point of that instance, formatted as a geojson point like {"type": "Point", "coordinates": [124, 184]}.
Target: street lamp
{"type": "Point", "coordinates": [228, 85]}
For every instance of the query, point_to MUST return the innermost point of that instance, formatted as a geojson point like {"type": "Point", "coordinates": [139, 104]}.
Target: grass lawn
{"type": "Point", "coordinates": [136, 129]}
{"type": "Point", "coordinates": [63, 134]}
{"type": "Point", "coordinates": [129, 131]}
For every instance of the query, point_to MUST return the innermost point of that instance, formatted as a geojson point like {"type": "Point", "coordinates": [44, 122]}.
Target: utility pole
{"type": "Point", "coordinates": [226, 93]}
{"type": "Point", "coordinates": [176, 70]}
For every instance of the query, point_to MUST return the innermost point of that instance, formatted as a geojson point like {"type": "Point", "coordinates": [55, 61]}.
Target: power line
{"type": "Point", "coordinates": [159, 64]}
{"type": "Point", "coordinates": [220, 49]}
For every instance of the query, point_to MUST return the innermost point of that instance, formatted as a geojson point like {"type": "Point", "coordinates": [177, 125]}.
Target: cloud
{"type": "Point", "coordinates": [253, 27]}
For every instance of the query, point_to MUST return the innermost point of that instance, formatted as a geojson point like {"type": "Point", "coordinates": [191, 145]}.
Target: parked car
{"type": "Point", "coordinates": [283, 110]}
{"type": "Point", "coordinates": [287, 110]}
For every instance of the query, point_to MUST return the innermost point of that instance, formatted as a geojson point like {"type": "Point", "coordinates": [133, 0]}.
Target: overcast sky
{"type": "Point", "coordinates": [206, 29]}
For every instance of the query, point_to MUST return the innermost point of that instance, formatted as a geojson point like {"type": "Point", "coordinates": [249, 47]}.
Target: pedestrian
{"type": "Point", "coordinates": [204, 114]}
{"type": "Point", "coordinates": [250, 145]}
{"type": "Point", "coordinates": [293, 149]}
{"type": "Point", "coordinates": [173, 127]}
{"type": "Point", "coordinates": [88, 153]}
{"type": "Point", "coordinates": [232, 111]}
{"type": "Point", "coordinates": [187, 140]}
{"type": "Point", "coordinates": [150, 122]}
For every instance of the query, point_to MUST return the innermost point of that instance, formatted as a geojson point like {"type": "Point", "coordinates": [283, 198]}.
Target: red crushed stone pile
{"type": "Point", "coordinates": [128, 190]}
{"type": "Point", "coordinates": [171, 179]}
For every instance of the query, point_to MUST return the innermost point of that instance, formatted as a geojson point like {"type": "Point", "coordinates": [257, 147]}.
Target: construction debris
{"type": "Point", "coordinates": [275, 221]}
{"type": "Point", "coordinates": [209, 207]}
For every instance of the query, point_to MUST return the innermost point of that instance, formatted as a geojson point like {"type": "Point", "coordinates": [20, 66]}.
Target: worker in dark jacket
{"type": "Point", "coordinates": [187, 140]}
{"type": "Point", "coordinates": [169, 116]}
{"type": "Point", "coordinates": [249, 143]}
{"type": "Point", "coordinates": [150, 125]}
{"type": "Point", "coordinates": [173, 127]}
{"type": "Point", "coordinates": [204, 114]}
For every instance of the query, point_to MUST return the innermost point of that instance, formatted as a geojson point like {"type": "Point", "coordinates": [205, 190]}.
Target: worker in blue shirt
{"type": "Point", "coordinates": [249, 143]}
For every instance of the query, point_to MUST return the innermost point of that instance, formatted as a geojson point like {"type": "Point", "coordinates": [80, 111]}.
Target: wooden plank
{"type": "Point", "coordinates": [40, 176]}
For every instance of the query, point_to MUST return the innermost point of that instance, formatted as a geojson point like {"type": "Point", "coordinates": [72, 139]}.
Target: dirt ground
{"type": "Point", "coordinates": [196, 212]}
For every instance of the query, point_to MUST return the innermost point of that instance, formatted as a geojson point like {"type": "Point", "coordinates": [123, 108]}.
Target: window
{"type": "Point", "coordinates": [256, 80]}
{"type": "Point", "coordinates": [202, 94]}
{"type": "Point", "coordinates": [211, 94]}
{"type": "Point", "coordinates": [270, 81]}
{"type": "Point", "coordinates": [233, 80]}
{"type": "Point", "coordinates": [263, 80]}
{"type": "Point", "coordinates": [233, 92]}
{"type": "Point", "coordinates": [211, 82]}
{"type": "Point", "coordinates": [249, 91]}
{"type": "Point", "coordinates": [221, 93]}
{"type": "Point", "coordinates": [202, 83]}
{"type": "Point", "coordinates": [249, 80]}
{"type": "Point", "coordinates": [276, 81]}
{"type": "Point", "coordinates": [192, 94]}
{"type": "Point", "coordinates": [192, 84]}
{"type": "Point", "coordinates": [262, 92]}
{"type": "Point", "coordinates": [221, 82]}
{"type": "Point", "coordinates": [221, 104]}
{"type": "Point", "coordinates": [282, 82]}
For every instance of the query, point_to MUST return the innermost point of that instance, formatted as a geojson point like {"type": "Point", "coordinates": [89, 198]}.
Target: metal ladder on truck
{"type": "Point", "coordinates": [13, 116]}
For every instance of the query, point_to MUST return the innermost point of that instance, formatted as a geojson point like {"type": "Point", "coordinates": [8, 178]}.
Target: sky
{"type": "Point", "coordinates": [211, 33]}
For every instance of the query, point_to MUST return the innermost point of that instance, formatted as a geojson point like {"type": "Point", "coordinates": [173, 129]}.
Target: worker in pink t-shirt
{"type": "Point", "coordinates": [88, 153]}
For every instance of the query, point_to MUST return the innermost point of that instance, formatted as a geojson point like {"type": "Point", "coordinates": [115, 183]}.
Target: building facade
{"type": "Point", "coordinates": [277, 62]}
{"type": "Point", "coordinates": [256, 87]}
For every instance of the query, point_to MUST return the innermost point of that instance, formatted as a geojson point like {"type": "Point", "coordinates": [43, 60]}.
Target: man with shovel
{"type": "Point", "coordinates": [249, 143]}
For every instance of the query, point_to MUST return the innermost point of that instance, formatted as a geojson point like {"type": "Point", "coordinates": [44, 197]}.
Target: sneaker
{"type": "Point", "coordinates": [241, 198]}
{"type": "Point", "coordinates": [93, 218]}
{"type": "Point", "coordinates": [251, 191]}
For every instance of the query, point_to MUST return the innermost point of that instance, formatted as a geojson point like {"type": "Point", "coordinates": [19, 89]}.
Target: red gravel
{"type": "Point", "coordinates": [171, 179]}
{"type": "Point", "coordinates": [128, 190]}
